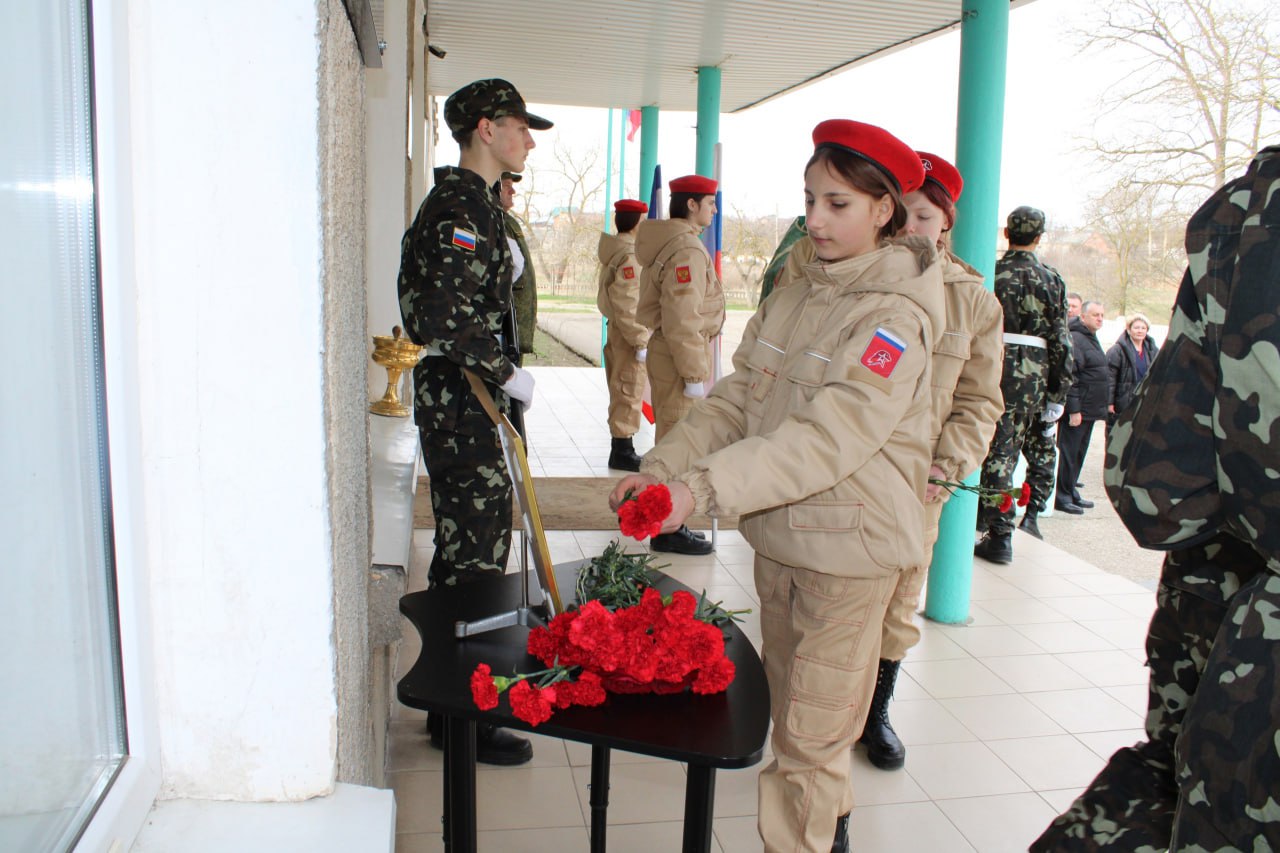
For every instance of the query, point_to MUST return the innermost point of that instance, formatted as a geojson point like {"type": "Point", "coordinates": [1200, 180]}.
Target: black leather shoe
{"type": "Point", "coordinates": [1030, 524]}
{"type": "Point", "coordinates": [841, 843]}
{"type": "Point", "coordinates": [1083, 504]}
{"type": "Point", "coordinates": [884, 748]}
{"type": "Point", "coordinates": [995, 548]}
{"type": "Point", "coordinates": [623, 456]}
{"type": "Point", "coordinates": [681, 542]}
{"type": "Point", "coordinates": [493, 745]}
{"type": "Point", "coordinates": [1068, 507]}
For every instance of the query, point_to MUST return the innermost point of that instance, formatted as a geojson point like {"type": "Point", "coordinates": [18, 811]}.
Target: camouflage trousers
{"type": "Point", "coordinates": [1205, 778]}
{"type": "Point", "coordinates": [1017, 433]}
{"type": "Point", "coordinates": [471, 501]}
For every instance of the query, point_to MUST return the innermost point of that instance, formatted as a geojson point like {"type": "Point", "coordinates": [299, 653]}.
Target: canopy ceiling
{"type": "Point", "coordinates": [634, 53]}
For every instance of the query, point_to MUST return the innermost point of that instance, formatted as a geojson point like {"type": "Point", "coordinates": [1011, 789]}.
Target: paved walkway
{"type": "Point", "coordinates": [1006, 718]}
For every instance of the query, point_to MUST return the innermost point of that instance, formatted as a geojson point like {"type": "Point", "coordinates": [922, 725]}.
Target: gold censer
{"type": "Point", "coordinates": [397, 354]}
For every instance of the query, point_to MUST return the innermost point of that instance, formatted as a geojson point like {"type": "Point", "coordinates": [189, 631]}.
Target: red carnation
{"type": "Point", "coordinates": [714, 678]}
{"type": "Point", "coordinates": [1024, 497]}
{"type": "Point", "coordinates": [641, 516]}
{"type": "Point", "coordinates": [656, 502]}
{"type": "Point", "coordinates": [1006, 502]}
{"type": "Point", "coordinates": [483, 690]}
{"type": "Point", "coordinates": [530, 704]}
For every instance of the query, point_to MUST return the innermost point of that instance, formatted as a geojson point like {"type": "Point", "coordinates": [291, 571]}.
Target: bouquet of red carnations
{"type": "Point", "coordinates": [657, 646]}
{"type": "Point", "coordinates": [641, 515]}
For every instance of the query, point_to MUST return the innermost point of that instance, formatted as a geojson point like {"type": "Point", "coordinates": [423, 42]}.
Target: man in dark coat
{"type": "Point", "coordinates": [1086, 404]}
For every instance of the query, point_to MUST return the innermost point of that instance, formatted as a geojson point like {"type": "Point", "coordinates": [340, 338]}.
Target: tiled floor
{"type": "Point", "coordinates": [1005, 718]}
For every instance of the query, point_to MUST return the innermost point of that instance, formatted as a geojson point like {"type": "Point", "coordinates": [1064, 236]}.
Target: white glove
{"type": "Point", "coordinates": [520, 387]}
{"type": "Point", "coordinates": [642, 354]}
{"type": "Point", "coordinates": [694, 389]}
{"type": "Point", "coordinates": [517, 259]}
{"type": "Point", "coordinates": [1052, 412]}
{"type": "Point", "coordinates": [1050, 429]}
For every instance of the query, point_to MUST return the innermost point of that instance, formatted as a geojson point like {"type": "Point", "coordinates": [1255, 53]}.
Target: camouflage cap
{"type": "Point", "coordinates": [492, 99]}
{"type": "Point", "coordinates": [1025, 224]}
{"type": "Point", "coordinates": [513, 177]}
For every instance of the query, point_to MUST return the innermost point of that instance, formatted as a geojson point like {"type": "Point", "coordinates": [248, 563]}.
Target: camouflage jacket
{"type": "Point", "coordinates": [524, 290]}
{"type": "Point", "coordinates": [455, 289]}
{"type": "Point", "coordinates": [1198, 452]}
{"type": "Point", "coordinates": [779, 261]}
{"type": "Point", "coordinates": [1034, 300]}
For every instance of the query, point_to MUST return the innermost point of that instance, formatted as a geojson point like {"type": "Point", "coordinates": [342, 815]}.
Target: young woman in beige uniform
{"type": "Point", "coordinates": [967, 363]}
{"type": "Point", "coordinates": [626, 341]}
{"type": "Point", "coordinates": [682, 302]}
{"type": "Point", "coordinates": [820, 441]}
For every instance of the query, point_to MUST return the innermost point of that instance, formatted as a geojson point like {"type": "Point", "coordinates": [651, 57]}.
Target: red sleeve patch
{"type": "Point", "coordinates": [628, 273]}
{"type": "Point", "coordinates": [683, 275]}
{"type": "Point", "coordinates": [883, 353]}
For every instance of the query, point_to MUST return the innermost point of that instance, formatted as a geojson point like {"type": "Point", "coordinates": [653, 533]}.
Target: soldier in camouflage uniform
{"type": "Point", "coordinates": [455, 298]}
{"type": "Point", "coordinates": [1191, 468]}
{"type": "Point", "coordinates": [524, 289]}
{"type": "Point", "coordinates": [1035, 381]}
{"type": "Point", "coordinates": [778, 263]}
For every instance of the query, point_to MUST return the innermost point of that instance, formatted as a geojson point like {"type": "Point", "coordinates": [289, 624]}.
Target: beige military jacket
{"type": "Point", "coordinates": [619, 287]}
{"type": "Point", "coordinates": [820, 438]}
{"type": "Point", "coordinates": [680, 294]}
{"type": "Point", "coordinates": [968, 359]}
{"type": "Point", "coordinates": [967, 363]}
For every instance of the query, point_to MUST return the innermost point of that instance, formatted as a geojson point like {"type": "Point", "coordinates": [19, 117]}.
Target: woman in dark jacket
{"type": "Point", "coordinates": [1128, 360]}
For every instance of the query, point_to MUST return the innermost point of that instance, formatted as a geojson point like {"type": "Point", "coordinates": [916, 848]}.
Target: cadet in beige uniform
{"type": "Point", "coordinates": [820, 440]}
{"type": "Point", "coordinates": [626, 341]}
{"type": "Point", "coordinates": [682, 302]}
{"type": "Point", "coordinates": [967, 365]}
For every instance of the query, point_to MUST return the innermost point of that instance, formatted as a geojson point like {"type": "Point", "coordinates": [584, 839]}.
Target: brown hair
{"type": "Point", "coordinates": [865, 177]}
{"type": "Point", "coordinates": [678, 206]}
{"type": "Point", "coordinates": [940, 199]}
{"type": "Point", "coordinates": [625, 220]}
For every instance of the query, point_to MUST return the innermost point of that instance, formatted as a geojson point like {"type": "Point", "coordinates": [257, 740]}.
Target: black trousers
{"type": "Point", "coordinates": [1073, 446]}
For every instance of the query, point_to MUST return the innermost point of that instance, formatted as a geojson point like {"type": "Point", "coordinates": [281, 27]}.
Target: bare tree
{"type": "Point", "coordinates": [1134, 223]}
{"type": "Point", "coordinates": [1201, 96]}
{"type": "Point", "coordinates": [748, 244]}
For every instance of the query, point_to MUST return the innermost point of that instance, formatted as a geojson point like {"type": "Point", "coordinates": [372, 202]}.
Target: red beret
{"type": "Point", "coordinates": [625, 205]}
{"type": "Point", "coordinates": [694, 184]}
{"type": "Point", "coordinates": [877, 146]}
{"type": "Point", "coordinates": [943, 174]}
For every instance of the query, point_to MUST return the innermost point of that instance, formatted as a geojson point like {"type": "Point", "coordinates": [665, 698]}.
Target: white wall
{"type": "Point", "coordinates": [230, 338]}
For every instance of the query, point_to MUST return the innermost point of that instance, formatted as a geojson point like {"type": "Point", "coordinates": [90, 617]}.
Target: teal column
{"type": "Point", "coordinates": [708, 120]}
{"type": "Point", "coordinates": [984, 48]}
{"type": "Point", "coordinates": [648, 150]}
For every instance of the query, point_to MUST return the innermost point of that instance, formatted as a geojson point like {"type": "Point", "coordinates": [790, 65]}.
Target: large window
{"type": "Point", "coordinates": [62, 733]}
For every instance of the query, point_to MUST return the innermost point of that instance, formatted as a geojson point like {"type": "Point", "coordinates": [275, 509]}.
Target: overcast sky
{"type": "Point", "coordinates": [1051, 101]}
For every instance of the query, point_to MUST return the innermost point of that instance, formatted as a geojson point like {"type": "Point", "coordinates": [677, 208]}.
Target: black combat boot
{"type": "Point", "coordinates": [623, 456]}
{"type": "Point", "coordinates": [841, 844]}
{"type": "Point", "coordinates": [884, 749]}
{"type": "Point", "coordinates": [493, 745]}
{"type": "Point", "coordinates": [995, 548]}
{"type": "Point", "coordinates": [1029, 524]}
{"type": "Point", "coordinates": [683, 541]}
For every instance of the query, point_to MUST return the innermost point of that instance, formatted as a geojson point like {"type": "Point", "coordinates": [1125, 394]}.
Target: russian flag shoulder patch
{"type": "Point", "coordinates": [883, 353]}
{"type": "Point", "coordinates": [464, 239]}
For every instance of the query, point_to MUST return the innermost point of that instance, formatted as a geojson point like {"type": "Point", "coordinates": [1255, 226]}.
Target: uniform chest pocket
{"type": "Point", "coordinates": [764, 362]}
{"type": "Point", "coordinates": [809, 368]}
{"type": "Point", "coordinates": [949, 357]}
